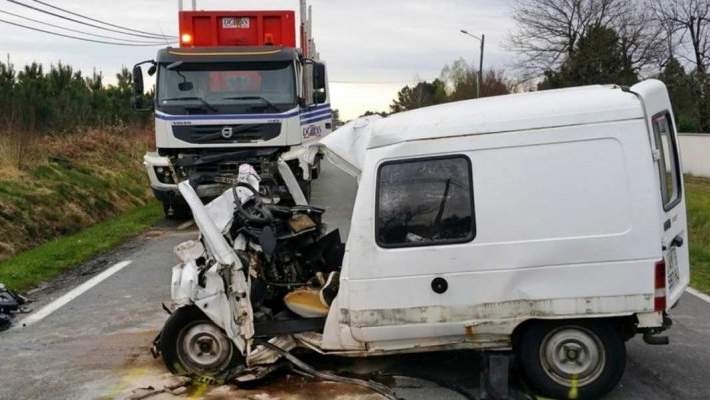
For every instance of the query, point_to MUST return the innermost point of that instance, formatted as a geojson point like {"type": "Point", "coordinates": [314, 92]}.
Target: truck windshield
{"type": "Point", "coordinates": [226, 88]}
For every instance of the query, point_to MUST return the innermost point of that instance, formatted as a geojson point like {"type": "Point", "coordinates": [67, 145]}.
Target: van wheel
{"type": "Point", "coordinates": [582, 359]}
{"type": "Point", "coordinates": [192, 345]}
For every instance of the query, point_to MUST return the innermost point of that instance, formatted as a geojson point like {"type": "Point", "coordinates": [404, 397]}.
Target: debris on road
{"type": "Point", "coordinates": [302, 368]}
{"type": "Point", "coordinates": [11, 303]}
{"type": "Point", "coordinates": [176, 388]}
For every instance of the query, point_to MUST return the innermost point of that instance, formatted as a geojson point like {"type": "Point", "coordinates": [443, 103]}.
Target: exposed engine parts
{"type": "Point", "coordinates": [293, 265]}
{"type": "Point", "coordinates": [261, 269]}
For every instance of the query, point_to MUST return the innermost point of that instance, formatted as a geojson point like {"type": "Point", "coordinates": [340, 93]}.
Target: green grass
{"type": "Point", "coordinates": [30, 268]}
{"type": "Point", "coordinates": [698, 201]}
{"type": "Point", "coordinates": [76, 181]}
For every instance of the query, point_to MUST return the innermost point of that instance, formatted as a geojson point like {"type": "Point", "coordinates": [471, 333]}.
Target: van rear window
{"type": "Point", "coordinates": [424, 202]}
{"type": "Point", "coordinates": [668, 166]}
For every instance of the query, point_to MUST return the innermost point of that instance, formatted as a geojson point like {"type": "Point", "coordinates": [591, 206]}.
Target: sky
{"type": "Point", "coordinates": [372, 47]}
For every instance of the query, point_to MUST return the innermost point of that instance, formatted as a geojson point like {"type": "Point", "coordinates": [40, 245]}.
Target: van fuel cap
{"type": "Point", "coordinates": [439, 285]}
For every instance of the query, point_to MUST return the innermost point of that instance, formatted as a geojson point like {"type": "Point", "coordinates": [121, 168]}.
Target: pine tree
{"type": "Point", "coordinates": [597, 59]}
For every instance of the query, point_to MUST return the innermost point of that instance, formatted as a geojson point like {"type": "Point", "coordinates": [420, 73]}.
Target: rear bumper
{"type": "Point", "coordinates": [650, 320]}
{"type": "Point", "coordinates": [652, 335]}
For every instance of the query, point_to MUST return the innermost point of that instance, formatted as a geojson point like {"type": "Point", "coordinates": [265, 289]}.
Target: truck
{"type": "Point", "coordinates": [236, 90]}
{"type": "Point", "coordinates": [547, 226]}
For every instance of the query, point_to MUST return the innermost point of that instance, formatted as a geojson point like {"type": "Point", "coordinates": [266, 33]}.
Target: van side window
{"type": "Point", "coordinates": [425, 202]}
{"type": "Point", "coordinates": [668, 165]}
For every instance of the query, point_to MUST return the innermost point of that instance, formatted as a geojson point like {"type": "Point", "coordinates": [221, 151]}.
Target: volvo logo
{"type": "Point", "coordinates": [227, 132]}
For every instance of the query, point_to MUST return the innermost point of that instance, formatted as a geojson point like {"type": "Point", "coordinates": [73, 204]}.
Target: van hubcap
{"type": "Point", "coordinates": [204, 349]}
{"type": "Point", "coordinates": [572, 356]}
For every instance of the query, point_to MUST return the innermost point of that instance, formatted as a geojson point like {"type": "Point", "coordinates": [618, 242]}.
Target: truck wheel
{"type": "Point", "coordinates": [192, 345]}
{"type": "Point", "coordinates": [176, 211]}
{"type": "Point", "coordinates": [582, 359]}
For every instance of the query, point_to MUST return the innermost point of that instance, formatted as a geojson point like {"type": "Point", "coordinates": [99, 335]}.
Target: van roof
{"type": "Point", "coordinates": [499, 114]}
{"type": "Point", "coordinates": [509, 113]}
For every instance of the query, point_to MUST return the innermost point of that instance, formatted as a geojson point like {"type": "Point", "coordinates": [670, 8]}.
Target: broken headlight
{"type": "Point", "coordinates": [164, 175]}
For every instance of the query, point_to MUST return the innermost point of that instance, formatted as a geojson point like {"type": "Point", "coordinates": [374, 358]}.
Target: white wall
{"type": "Point", "coordinates": [695, 153]}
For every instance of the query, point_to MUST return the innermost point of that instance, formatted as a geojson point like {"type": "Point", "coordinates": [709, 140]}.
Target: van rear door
{"type": "Point", "coordinates": [664, 144]}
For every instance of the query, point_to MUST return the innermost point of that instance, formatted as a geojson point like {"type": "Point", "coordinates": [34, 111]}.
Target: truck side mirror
{"type": "Point", "coordinates": [319, 83]}
{"type": "Point", "coordinates": [137, 81]}
{"type": "Point", "coordinates": [138, 99]}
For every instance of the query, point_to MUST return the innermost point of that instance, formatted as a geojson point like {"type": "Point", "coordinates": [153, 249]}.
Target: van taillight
{"type": "Point", "coordinates": [659, 300]}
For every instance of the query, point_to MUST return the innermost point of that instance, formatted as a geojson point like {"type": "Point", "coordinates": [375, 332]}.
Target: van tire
{"type": "Point", "coordinates": [173, 332]}
{"type": "Point", "coordinates": [594, 349]}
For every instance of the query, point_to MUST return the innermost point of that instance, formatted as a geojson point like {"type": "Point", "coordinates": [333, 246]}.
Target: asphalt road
{"type": "Point", "coordinates": [97, 345]}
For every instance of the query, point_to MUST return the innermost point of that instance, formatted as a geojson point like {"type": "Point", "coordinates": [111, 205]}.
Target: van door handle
{"type": "Point", "coordinates": [677, 241]}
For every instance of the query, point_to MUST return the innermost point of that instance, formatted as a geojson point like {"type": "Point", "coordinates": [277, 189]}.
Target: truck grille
{"type": "Point", "coordinates": [226, 134]}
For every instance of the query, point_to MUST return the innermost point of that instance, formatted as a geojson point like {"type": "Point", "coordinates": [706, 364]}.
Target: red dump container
{"type": "Point", "coordinates": [237, 28]}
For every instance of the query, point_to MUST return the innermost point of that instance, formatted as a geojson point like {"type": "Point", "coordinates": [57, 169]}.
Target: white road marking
{"type": "Point", "coordinates": [698, 294]}
{"type": "Point", "coordinates": [72, 294]}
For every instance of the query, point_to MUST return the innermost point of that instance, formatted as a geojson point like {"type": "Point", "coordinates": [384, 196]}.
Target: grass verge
{"type": "Point", "coordinates": [30, 268]}
{"type": "Point", "coordinates": [72, 182]}
{"type": "Point", "coordinates": [698, 200]}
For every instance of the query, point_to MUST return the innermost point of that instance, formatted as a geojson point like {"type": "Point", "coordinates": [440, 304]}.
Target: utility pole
{"type": "Point", "coordinates": [481, 39]}
{"type": "Point", "coordinates": [480, 67]}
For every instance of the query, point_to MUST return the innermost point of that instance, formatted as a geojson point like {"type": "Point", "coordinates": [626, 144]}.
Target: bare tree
{"type": "Point", "coordinates": [548, 31]}
{"type": "Point", "coordinates": [690, 21]}
{"type": "Point", "coordinates": [641, 37]}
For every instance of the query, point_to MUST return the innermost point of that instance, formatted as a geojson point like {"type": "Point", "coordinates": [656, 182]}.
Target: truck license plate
{"type": "Point", "coordinates": [673, 273]}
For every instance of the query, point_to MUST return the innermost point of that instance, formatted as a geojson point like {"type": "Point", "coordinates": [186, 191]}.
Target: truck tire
{"type": "Point", "coordinates": [176, 211]}
{"type": "Point", "coordinates": [576, 359]}
{"type": "Point", "coordinates": [191, 345]}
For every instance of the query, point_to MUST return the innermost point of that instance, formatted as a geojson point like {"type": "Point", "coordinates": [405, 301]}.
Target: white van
{"type": "Point", "coordinates": [552, 224]}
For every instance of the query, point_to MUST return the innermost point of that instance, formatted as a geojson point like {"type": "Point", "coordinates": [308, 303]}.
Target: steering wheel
{"type": "Point", "coordinates": [254, 211]}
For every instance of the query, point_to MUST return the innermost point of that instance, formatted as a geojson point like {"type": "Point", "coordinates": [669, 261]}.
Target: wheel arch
{"type": "Point", "coordinates": [625, 324]}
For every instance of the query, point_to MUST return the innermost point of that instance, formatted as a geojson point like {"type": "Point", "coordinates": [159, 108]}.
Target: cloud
{"type": "Point", "coordinates": [381, 44]}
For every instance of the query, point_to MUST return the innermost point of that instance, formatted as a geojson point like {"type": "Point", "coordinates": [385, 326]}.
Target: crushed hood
{"type": "Point", "coordinates": [347, 146]}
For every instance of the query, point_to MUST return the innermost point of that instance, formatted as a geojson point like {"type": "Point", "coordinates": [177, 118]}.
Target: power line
{"type": "Point", "coordinates": [403, 82]}
{"type": "Point", "coordinates": [78, 31]}
{"type": "Point", "coordinates": [81, 22]}
{"type": "Point", "coordinates": [99, 21]}
{"type": "Point", "coordinates": [76, 37]}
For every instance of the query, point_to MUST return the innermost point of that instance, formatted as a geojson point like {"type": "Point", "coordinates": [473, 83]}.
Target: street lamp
{"type": "Point", "coordinates": [481, 39]}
